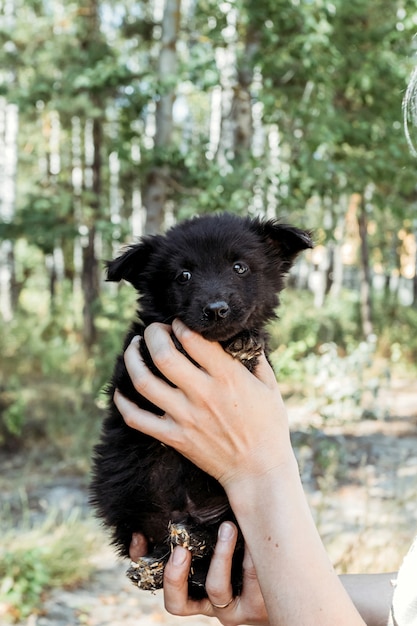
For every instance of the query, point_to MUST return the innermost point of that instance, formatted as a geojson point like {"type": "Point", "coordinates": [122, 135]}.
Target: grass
{"type": "Point", "coordinates": [35, 560]}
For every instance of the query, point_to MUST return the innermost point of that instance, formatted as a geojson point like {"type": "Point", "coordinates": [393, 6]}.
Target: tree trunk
{"type": "Point", "coordinates": [414, 279]}
{"type": "Point", "coordinates": [51, 269]}
{"type": "Point", "coordinates": [330, 268]}
{"type": "Point", "coordinates": [89, 283]}
{"type": "Point", "coordinates": [90, 38]}
{"type": "Point", "coordinates": [242, 98]}
{"type": "Point", "coordinates": [67, 246]}
{"type": "Point", "coordinates": [154, 199]}
{"type": "Point", "coordinates": [9, 122]}
{"type": "Point", "coordinates": [337, 270]}
{"type": "Point", "coordinates": [156, 187]}
{"type": "Point", "coordinates": [242, 121]}
{"type": "Point", "coordinates": [236, 72]}
{"type": "Point", "coordinates": [90, 278]}
{"type": "Point", "coordinates": [365, 272]}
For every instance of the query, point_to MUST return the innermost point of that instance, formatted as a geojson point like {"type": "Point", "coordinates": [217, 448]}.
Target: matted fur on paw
{"type": "Point", "coordinates": [195, 542]}
{"type": "Point", "coordinates": [245, 347]}
{"type": "Point", "coordinates": [147, 573]}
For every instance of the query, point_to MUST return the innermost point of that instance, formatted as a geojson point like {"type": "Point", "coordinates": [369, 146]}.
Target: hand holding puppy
{"type": "Point", "coordinates": [221, 417]}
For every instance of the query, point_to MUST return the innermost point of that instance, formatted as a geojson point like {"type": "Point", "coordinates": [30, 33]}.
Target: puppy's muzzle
{"type": "Point", "coordinates": [216, 311]}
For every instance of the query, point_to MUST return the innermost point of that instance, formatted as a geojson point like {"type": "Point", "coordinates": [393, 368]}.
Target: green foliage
{"type": "Point", "coordinates": [346, 388]}
{"type": "Point", "coordinates": [25, 577]}
{"type": "Point", "coordinates": [55, 554]}
{"type": "Point", "coordinates": [332, 78]}
{"type": "Point", "coordinates": [341, 377]}
{"type": "Point", "coordinates": [395, 327]}
{"type": "Point", "coordinates": [46, 372]}
{"type": "Point", "coordinates": [327, 78]}
{"type": "Point", "coordinates": [12, 413]}
{"type": "Point", "coordinates": [302, 328]}
{"type": "Point", "coordinates": [46, 219]}
{"type": "Point", "coordinates": [40, 348]}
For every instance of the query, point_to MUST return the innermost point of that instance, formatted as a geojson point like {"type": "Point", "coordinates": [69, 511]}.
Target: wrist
{"type": "Point", "coordinates": [253, 485]}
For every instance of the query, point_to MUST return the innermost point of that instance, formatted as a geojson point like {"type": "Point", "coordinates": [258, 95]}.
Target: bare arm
{"type": "Point", "coordinates": [234, 426]}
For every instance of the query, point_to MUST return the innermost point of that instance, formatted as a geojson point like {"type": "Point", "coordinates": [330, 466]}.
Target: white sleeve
{"type": "Point", "coordinates": [404, 604]}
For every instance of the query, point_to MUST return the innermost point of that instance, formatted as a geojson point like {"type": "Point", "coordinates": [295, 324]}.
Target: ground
{"type": "Point", "coordinates": [361, 481]}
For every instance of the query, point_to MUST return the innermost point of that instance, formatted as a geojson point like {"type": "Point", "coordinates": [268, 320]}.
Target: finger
{"type": "Point", "coordinates": [175, 365]}
{"type": "Point", "coordinates": [218, 582]}
{"type": "Point", "coordinates": [214, 360]}
{"type": "Point", "coordinates": [148, 423]}
{"type": "Point", "coordinates": [176, 597]}
{"type": "Point", "coordinates": [138, 546]}
{"type": "Point", "coordinates": [206, 353]}
{"type": "Point", "coordinates": [152, 387]}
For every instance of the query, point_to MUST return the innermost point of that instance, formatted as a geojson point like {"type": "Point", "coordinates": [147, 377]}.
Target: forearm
{"type": "Point", "coordinates": [298, 582]}
{"type": "Point", "coordinates": [371, 594]}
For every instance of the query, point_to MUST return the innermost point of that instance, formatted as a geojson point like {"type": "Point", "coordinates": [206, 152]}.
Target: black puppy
{"type": "Point", "coordinates": [221, 275]}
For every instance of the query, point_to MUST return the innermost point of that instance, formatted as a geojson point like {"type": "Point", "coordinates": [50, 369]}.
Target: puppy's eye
{"type": "Point", "coordinates": [240, 268]}
{"type": "Point", "coordinates": [183, 277]}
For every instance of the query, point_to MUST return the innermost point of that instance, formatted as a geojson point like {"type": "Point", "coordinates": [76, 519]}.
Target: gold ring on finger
{"type": "Point", "coordinates": [223, 606]}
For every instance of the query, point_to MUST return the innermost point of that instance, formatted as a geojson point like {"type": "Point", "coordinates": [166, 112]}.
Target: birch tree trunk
{"type": "Point", "coordinates": [50, 166]}
{"type": "Point", "coordinates": [9, 121]}
{"type": "Point", "coordinates": [226, 58]}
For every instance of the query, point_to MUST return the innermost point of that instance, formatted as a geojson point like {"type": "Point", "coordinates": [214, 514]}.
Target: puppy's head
{"type": "Point", "coordinates": [219, 274]}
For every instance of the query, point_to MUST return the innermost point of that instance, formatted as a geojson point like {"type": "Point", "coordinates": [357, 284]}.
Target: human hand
{"type": "Point", "coordinates": [247, 608]}
{"type": "Point", "coordinates": [227, 421]}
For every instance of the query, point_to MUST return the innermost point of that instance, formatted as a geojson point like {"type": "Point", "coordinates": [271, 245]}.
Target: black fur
{"type": "Point", "coordinates": [221, 275]}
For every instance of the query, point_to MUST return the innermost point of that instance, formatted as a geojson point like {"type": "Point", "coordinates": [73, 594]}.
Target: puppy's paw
{"type": "Point", "coordinates": [147, 573]}
{"type": "Point", "coordinates": [195, 541]}
{"type": "Point", "coordinates": [246, 347]}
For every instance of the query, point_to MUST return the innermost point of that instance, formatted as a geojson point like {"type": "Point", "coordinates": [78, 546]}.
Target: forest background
{"type": "Point", "coordinates": [121, 118]}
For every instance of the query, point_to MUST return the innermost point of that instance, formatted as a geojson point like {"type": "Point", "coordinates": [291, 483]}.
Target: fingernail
{"type": "Point", "coordinates": [179, 556]}
{"type": "Point", "coordinates": [177, 325]}
{"type": "Point", "coordinates": [226, 531]}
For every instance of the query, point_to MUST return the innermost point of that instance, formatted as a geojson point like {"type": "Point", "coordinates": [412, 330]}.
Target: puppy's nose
{"type": "Point", "coordinates": [216, 310]}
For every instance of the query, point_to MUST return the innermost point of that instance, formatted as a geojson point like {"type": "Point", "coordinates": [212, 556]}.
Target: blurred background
{"type": "Point", "coordinates": [119, 118]}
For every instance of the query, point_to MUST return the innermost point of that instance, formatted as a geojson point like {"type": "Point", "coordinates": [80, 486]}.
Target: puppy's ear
{"type": "Point", "coordinates": [284, 238]}
{"type": "Point", "coordinates": [132, 262]}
